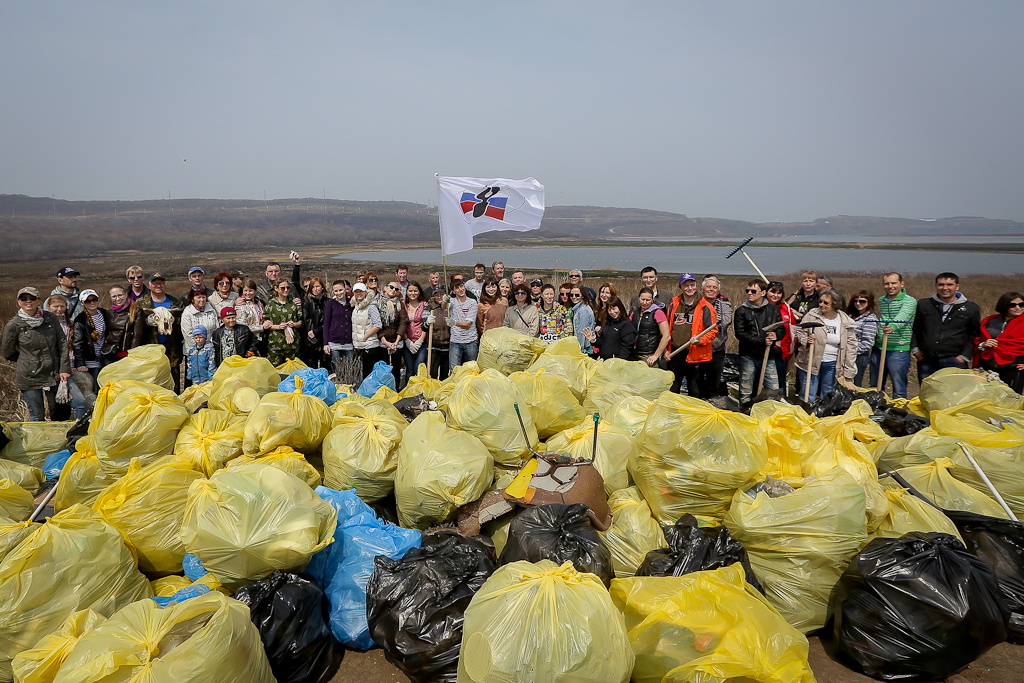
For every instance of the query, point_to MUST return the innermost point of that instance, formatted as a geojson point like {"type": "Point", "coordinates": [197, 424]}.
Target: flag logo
{"type": "Point", "coordinates": [493, 201]}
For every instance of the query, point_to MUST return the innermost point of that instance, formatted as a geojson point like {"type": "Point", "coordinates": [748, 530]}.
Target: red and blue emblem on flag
{"type": "Point", "coordinates": [484, 203]}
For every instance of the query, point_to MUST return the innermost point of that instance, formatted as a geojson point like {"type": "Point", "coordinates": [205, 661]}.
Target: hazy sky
{"type": "Point", "coordinates": [751, 110]}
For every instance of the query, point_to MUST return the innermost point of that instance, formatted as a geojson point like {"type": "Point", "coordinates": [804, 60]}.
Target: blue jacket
{"type": "Point", "coordinates": [201, 365]}
{"type": "Point", "coordinates": [582, 318]}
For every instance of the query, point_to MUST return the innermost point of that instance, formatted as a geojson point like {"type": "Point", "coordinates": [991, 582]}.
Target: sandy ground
{"type": "Point", "coordinates": [1002, 664]}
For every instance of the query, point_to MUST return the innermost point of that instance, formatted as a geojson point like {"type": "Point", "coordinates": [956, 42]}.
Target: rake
{"type": "Point", "coordinates": [739, 249]}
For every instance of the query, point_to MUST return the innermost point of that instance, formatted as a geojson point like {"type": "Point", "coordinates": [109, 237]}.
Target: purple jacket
{"type": "Point", "coordinates": [337, 322]}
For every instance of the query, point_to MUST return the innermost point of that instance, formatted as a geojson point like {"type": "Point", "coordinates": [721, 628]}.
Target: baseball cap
{"type": "Point", "coordinates": [86, 293]}
{"type": "Point", "coordinates": [227, 310]}
{"type": "Point", "coordinates": [536, 281]}
{"type": "Point", "coordinates": [237, 273]}
{"type": "Point", "coordinates": [196, 269]}
{"type": "Point", "coordinates": [66, 270]}
{"type": "Point", "coordinates": [29, 290]}
{"type": "Point", "coordinates": [199, 329]}
{"type": "Point", "coordinates": [157, 276]}
{"type": "Point", "coordinates": [687, 276]}
{"type": "Point", "coordinates": [438, 289]}
{"type": "Point", "coordinates": [359, 287]}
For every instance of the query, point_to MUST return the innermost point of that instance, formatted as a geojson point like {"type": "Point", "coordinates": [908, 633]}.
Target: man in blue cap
{"type": "Point", "coordinates": [197, 277]}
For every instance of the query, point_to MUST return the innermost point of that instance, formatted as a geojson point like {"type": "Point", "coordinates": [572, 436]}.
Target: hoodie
{"type": "Point", "coordinates": [749, 322]}
{"type": "Point", "coordinates": [943, 330]}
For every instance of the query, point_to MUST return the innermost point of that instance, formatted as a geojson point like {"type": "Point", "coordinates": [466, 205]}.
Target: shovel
{"type": "Point", "coordinates": [764, 361]}
{"type": "Point", "coordinates": [881, 362]}
{"type": "Point", "coordinates": [685, 346]}
{"type": "Point", "coordinates": [810, 325]}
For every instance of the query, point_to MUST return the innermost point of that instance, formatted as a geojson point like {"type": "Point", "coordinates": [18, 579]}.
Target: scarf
{"type": "Point", "coordinates": [122, 308]}
{"type": "Point", "coordinates": [1011, 341]}
{"type": "Point", "coordinates": [33, 321]}
{"type": "Point", "coordinates": [388, 310]}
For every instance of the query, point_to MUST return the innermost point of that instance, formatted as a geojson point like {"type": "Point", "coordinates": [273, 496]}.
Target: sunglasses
{"type": "Point", "coordinates": [860, 301]}
{"type": "Point", "coordinates": [1017, 304]}
{"type": "Point", "coordinates": [134, 277]}
{"type": "Point", "coordinates": [576, 296]}
{"type": "Point", "coordinates": [391, 288]}
{"type": "Point", "coordinates": [27, 297]}
{"type": "Point", "coordinates": [753, 291]}
{"type": "Point", "coordinates": [372, 279]}
{"type": "Point", "coordinates": [520, 293]}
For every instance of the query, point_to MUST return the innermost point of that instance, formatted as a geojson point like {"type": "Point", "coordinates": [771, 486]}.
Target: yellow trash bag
{"type": "Point", "coordinates": [196, 395]}
{"type": "Point", "coordinates": [421, 384]}
{"type": "Point", "coordinates": [360, 405]}
{"type": "Point", "coordinates": [630, 414]}
{"type": "Point", "coordinates": [789, 433]}
{"type": "Point", "coordinates": [444, 392]}
{"type": "Point", "coordinates": [1002, 467]}
{"type": "Point", "coordinates": [693, 457]}
{"type": "Point", "coordinates": [31, 442]}
{"type": "Point", "coordinates": [915, 449]}
{"type": "Point", "coordinates": [208, 638]}
{"type": "Point", "coordinates": [710, 626]}
{"type": "Point", "coordinates": [211, 439]}
{"type": "Point", "coordinates": [439, 470]}
{"type": "Point", "coordinates": [553, 406]}
{"type": "Point", "coordinates": [634, 531]}
{"type": "Point", "coordinates": [147, 505]}
{"type": "Point", "coordinates": [483, 406]}
{"type": "Point", "coordinates": [615, 447]}
{"type": "Point", "coordinates": [281, 419]}
{"type": "Point", "coordinates": [507, 351]}
{"type": "Point", "coordinates": [800, 544]}
{"type": "Point", "coordinates": [386, 394]}
{"type": "Point", "coordinates": [284, 459]}
{"type": "Point", "coordinates": [564, 359]}
{"type": "Point", "coordinates": [361, 452]}
{"type": "Point", "coordinates": [541, 622]}
{"type": "Point", "coordinates": [615, 379]}
{"type": "Point", "coordinates": [243, 525]}
{"type": "Point", "coordinates": [856, 424]}
{"type": "Point", "coordinates": [40, 664]}
{"type": "Point", "coordinates": [109, 393]}
{"type": "Point", "coordinates": [148, 363]}
{"type": "Point", "coordinates": [290, 365]}
{"type": "Point", "coordinates": [141, 423]}
{"type": "Point", "coordinates": [167, 586]}
{"type": "Point", "coordinates": [83, 478]}
{"type": "Point", "coordinates": [49, 571]}
{"type": "Point", "coordinates": [16, 503]}
{"type": "Point", "coordinates": [236, 373]}
{"type": "Point", "coordinates": [27, 477]}
{"type": "Point", "coordinates": [935, 481]}
{"type": "Point", "coordinates": [952, 386]}
{"type": "Point", "coordinates": [976, 428]}
{"type": "Point", "coordinates": [909, 513]}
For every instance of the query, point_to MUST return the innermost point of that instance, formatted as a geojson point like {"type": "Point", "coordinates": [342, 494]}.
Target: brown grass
{"type": "Point", "coordinates": [102, 272]}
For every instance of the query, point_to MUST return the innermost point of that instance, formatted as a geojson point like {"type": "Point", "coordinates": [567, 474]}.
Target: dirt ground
{"type": "Point", "coordinates": [1002, 664]}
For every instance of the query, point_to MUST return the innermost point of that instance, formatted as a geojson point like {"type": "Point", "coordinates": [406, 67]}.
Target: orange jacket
{"type": "Point", "coordinates": [703, 317]}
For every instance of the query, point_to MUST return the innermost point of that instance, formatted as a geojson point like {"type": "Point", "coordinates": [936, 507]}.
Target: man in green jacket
{"type": "Point", "coordinates": [896, 318]}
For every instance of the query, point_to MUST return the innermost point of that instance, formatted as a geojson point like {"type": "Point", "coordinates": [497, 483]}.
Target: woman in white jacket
{"type": "Point", "coordinates": [833, 354]}
{"type": "Point", "coordinates": [198, 311]}
{"type": "Point", "coordinates": [365, 326]}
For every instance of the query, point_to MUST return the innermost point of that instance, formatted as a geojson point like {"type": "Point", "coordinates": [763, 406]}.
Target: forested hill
{"type": "Point", "coordinates": [41, 226]}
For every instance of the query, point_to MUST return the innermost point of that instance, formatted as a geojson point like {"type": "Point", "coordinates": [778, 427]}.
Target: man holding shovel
{"type": "Point", "coordinates": [751, 321]}
{"type": "Point", "coordinates": [891, 355]}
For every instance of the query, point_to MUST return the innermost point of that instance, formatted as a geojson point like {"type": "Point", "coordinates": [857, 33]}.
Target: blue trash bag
{"type": "Point", "coordinates": [183, 595]}
{"type": "Point", "coordinates": [194, 569]}
{"type": "Point", "coordinates": [314, 383]}
{"type": "Point", "coordinates": [55, 463]}
{"type": "Point", "coordinates": [344, 567]}
{"type": "Point", "coordinates": [379, 377]}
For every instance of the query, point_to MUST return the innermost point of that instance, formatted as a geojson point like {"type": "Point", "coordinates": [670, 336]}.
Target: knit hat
{"type": "Point", "coordinates": [199, 329]}
{"type": "Point", "coordinates": [227, 310]}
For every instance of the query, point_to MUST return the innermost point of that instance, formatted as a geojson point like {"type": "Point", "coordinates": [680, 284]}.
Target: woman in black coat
{"type": "Point", "coordinates": [313, 323]}
{"type": "Point", "coordinates": [616, 335]}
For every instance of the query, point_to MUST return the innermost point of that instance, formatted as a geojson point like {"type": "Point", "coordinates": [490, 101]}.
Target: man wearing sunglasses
{"type": "Point", "coordinates": [751, 318]}
{"type": "Point", "coordinates": [136, 284]}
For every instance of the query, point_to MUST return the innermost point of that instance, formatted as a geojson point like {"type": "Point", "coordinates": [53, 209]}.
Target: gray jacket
{"type": "Point", "coordinates": [723, 314]}
{"type": "Point", "coordinates": [41, 353]}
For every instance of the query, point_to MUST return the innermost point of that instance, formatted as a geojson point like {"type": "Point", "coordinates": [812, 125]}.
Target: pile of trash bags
{"type": "Point", "coordinates": [539, 515]}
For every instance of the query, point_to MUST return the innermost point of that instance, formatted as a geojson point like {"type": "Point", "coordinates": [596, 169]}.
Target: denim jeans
{"type": "Point", "coordinates": [822, 384]}
{"type": "Point", "coordinates": [750, 370]}
{"type": "Point", "coordinates": [863, 361]}
{"type": "Point", "coordinates": [781, 370]}
{"type": "Point", "coordinates": [897, 367]}
{"type": "Point", "coordinates": [37, 400]}
{"type": "Point", "coordinates": [929, 365]}
{"type": "Point", "coordinates": [413, 361]}
{"type": "Point", "coordinates": [462, 353]}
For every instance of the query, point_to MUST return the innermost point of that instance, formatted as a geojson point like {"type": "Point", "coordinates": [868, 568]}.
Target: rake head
{"type": "Point", "coordinates": [740, 248]}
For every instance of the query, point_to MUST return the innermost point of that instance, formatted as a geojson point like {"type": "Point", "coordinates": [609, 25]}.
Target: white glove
{"type": "Point", "coordinates": [414, 346]}
{"type": "Point", "coordinates": [446, 300]}
{"type": "Point", "coordinates": [450, 322]}
{"type": "Point", "coordinates": [430, 319]}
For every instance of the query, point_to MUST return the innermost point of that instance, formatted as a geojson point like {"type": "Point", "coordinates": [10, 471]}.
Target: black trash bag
{"type": "Point", "coordinates": [292, 615]}
{"type": "Point", "coordinates": [77, 431]}
{"type": "Point", "coordinates": [415, 606]}
{"type": "Point", "coordinates": [840, 400]}
{"type": "Point", "coordinates": [916, 608]}
{"type": "Point", "coordinates": [999, 543]}
{"type": "Point", "coordinates": [730, 372]}
{"type": "Point", "coordinates": [386, 509]}
{"type": "Point", "coordinates": [693, 549]}
{"type": "Point", "coordinates": [558, 533]}
{"type": "Point", "coordinates": [898, 422]}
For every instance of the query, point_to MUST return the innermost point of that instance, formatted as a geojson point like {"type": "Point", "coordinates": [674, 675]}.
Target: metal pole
{"type": "Point", "coordinates": [984, 478]}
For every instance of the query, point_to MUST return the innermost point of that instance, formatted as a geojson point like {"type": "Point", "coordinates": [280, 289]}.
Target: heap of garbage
{"type": "Point", "coordinates": [537, 516]}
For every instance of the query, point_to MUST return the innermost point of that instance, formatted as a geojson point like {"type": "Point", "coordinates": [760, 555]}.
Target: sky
{"type": "Point", "coordinates": [749, 110]}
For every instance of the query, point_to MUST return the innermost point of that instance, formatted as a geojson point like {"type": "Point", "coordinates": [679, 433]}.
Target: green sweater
{"type": "Point", "coordinates": [899, 313]}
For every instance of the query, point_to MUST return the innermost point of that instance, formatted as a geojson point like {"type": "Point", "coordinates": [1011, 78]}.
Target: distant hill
{"type": "Point", "coordinates": [40, 226]}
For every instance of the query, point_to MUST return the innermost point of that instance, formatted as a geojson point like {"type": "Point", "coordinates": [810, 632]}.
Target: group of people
{"type": "Point", "coordinates": [830, 341]}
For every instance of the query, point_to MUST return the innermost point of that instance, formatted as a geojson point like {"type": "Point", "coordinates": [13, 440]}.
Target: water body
{"type": "Point", "coordinates": [711, 259]}
{"type": "Point", "coordinates": [856, 239]}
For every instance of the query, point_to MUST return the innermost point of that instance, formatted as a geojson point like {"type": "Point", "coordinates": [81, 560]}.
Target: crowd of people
{"type": "Point", "coordinates": [828, 339]}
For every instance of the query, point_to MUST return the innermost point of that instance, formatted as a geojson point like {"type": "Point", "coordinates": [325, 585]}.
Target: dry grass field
{"type": "Point", "coordinates": [103, 271]}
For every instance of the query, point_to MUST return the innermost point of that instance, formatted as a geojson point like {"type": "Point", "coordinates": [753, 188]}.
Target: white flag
{"type": "Point", "coordinates": [470, 206]}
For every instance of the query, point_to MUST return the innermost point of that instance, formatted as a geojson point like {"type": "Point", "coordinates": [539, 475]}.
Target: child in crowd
{"type": "Point", "coordinates": [201, 364]}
